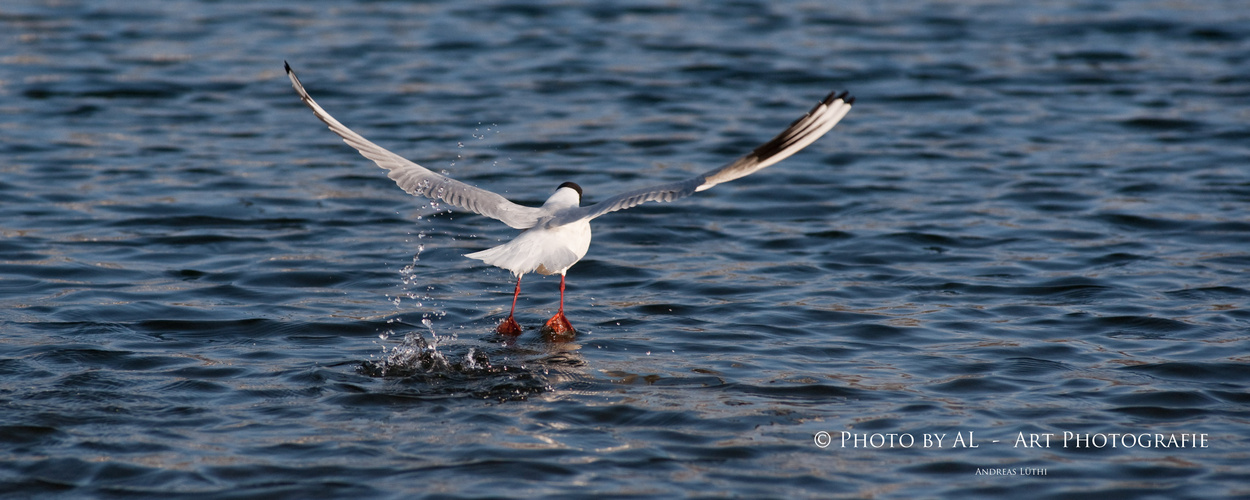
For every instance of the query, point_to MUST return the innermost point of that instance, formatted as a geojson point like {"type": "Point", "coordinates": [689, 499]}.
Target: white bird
{"type": "Point", "coordinates": [556, 235]}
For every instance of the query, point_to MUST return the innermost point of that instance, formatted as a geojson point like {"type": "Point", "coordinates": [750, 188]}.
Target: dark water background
{"type": "Point", "coordinates": [1034, 221]}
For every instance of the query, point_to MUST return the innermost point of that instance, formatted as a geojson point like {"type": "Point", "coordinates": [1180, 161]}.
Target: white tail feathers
{"type": "Point", "coordinates": [540, 249]}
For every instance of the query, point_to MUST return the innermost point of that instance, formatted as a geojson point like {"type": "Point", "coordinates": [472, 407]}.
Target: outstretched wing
{"type": "Point", "coordinates": [799, 135]}
{"type": "Point", "coordinates": [419, 181]}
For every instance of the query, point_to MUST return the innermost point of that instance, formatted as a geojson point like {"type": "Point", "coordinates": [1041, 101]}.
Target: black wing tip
{"type": "Point", "coordinates": [844, 96]}
{"type": "Point", "coordinates": [287, 66]}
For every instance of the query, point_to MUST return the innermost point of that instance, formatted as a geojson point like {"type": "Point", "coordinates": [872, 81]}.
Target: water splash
{"type": "Point", "coordinates": [426, 371]}
{"type": "Point", "coordinates": [413, 356]}
{"type": "Point", "coordinates": [427, 363]}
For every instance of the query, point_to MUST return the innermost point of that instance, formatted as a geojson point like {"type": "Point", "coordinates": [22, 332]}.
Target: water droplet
{"type": "Point", "coordinates": [469, 362]}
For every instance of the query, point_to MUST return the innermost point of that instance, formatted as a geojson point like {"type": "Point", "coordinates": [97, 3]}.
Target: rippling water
{"type": "Point", "coordinates": [1032, 226]}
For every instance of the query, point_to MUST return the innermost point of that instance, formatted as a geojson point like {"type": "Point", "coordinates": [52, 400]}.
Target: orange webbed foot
{"type": "Point", "coordinates": [508, 327]}
{"type": "Point", "coordinates": [559, 326]}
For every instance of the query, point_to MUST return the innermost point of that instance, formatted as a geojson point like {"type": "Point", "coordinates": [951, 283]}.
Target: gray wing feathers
{"type": "Point", "coordinates": [797, 136]}
{"type": "Point", "coordinates": [462, 195]}
{"type": "Point", "coordinates": [419, 181]}
{"type": "Point", "coordinates": [663, 193]}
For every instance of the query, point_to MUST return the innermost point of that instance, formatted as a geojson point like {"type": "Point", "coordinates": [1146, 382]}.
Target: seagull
{"type": "Point", "coordinates": [557, 235]}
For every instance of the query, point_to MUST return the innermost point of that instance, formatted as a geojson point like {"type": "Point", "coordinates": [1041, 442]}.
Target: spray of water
{"type": "Point", "coordinates": [418, 352]}
{"type": "Point", "coordinates": [430, 362]}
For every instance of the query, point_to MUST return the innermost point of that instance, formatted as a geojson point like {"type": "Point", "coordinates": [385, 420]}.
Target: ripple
{"type": "Point", "coordinates": [1232, 372]}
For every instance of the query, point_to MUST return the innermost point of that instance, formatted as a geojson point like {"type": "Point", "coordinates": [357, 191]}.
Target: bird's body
{"type": "Point", "coordinates": [557, 235]}
{"type": "Point", "coordinates": [544, 248]}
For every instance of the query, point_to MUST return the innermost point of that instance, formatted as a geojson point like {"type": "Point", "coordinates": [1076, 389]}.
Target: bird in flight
{"type": "Point", "coordinates": [557, 235]}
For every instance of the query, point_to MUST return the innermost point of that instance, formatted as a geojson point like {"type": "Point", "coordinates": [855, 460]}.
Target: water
{"type": "Point", "coordinates": [1033, 223]}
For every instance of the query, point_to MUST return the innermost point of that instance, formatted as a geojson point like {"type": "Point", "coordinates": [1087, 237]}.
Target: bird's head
{"type": "Point", "coordinates": [567, 195]}
{"type": "Point", "coordinates": [573, 186]}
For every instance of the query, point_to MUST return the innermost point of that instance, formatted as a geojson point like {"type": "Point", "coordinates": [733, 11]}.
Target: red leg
{"type": "Point", "coordinates": [509, 326]}
{"type": "Point", "coordinates": [561, 294]}
{"type": "Point", "coordinates": [559, 325]}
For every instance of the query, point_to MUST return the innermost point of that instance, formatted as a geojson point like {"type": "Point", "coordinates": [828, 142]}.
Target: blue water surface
{"type": "Point", "coordinates": [1032, 229]}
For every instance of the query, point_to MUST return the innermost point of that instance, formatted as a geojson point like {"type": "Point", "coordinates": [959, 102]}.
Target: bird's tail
{"type": "Point", "coordinates": [514, 257]}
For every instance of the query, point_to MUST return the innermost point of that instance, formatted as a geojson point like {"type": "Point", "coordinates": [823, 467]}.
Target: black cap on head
{"type": "Point", "coordinates": [574, 186]}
